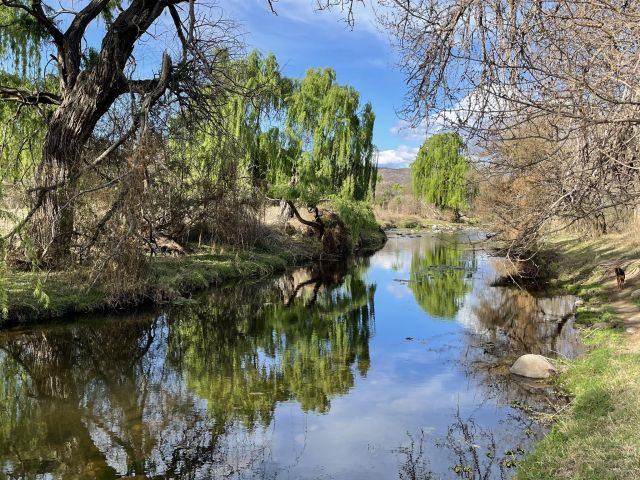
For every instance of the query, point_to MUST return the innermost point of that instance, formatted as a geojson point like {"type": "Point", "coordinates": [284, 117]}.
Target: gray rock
{"type": "Point", "coordinates": [533, 366]}
{"type": "Point", "coordinates": [631, 330]}
{"type": "Point", "coordinates": [635, 294]}
{"type": "Point", "coordinates": [579, 302]}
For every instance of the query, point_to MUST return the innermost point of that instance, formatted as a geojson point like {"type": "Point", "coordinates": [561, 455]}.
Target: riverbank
{"type": "Point", "coordinates": [390, 220]}
{"type": "Point", "coordinates": [37, 297]}
{"type": "Point", "coordinates": [597, 436]}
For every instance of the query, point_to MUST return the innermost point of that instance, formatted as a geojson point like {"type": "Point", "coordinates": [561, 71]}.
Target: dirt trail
{"type": "Point", "coordinates": [624, 307]}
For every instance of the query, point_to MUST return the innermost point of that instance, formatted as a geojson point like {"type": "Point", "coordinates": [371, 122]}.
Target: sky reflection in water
{"type": "Point", "coordinates": [325, 372]}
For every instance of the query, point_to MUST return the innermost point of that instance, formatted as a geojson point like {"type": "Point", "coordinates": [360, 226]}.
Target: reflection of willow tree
{"type": "Point", "coordinates": [46, 375]}
{"type": "Point", "coordinates": [124, 397]}
{"type": "Point", "coordinates": [244, 352]}
{"type": "Point", "coordinates": [440, 276]}
{"type": "Point", "coordinates": [97, 402]}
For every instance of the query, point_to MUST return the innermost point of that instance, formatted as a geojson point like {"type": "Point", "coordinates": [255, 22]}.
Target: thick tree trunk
{"type": "Point", "coordinates": [86, 97]}
{"type": "Point", "coordinates": [69, 130]}
{"type": "Point", "coordinates": [54, 221]}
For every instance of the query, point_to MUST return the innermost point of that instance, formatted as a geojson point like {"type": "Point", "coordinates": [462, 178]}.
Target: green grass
{"type": "Point", "coordinates": [596, 309]}
{"type": "Point", "coordinates": [599, 436]}
{"type": "Point", "coordinates": [169, 279]}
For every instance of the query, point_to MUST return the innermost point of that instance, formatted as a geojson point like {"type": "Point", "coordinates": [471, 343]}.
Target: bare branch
{"type": "Point", "coordinates": [27, 97]}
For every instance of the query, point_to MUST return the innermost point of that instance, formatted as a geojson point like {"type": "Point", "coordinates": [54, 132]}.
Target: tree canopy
{"type": "Point", "coordinates": [302, 139]}
{"type": "Point", "coordinates": [439, 173]}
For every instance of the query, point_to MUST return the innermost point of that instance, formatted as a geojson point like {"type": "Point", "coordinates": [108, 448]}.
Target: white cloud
{"type": "Point", "coordinates": [477, 108]}
{"type": "Point", "coordinates": [399, 157]}
{"type": "Point", "coordinates": [418, 133]}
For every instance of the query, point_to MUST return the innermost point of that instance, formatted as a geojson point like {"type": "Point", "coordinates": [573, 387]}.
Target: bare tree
{"type": "Point", "coordinates": [564, 73]}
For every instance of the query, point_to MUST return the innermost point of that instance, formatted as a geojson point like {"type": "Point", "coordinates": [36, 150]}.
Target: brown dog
{"type": "Point", "coordinates": [620, 277]}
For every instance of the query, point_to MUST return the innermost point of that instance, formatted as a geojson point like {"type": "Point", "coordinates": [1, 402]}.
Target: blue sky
{"type": "Point", "coordinates": [302, 38]}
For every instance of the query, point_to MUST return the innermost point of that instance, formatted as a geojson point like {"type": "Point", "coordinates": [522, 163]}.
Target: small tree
{"type": "Point", "coordinates": [439, 173]}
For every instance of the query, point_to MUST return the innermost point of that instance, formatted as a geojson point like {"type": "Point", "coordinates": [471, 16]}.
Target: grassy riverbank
{"type": "Point", "coordinates": [597, 436]}
{"type": "Point", "coordinates": [169, 279]}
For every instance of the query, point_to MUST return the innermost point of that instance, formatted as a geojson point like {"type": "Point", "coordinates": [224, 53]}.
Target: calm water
{"type": "Point", "coordinates": [389, 367]}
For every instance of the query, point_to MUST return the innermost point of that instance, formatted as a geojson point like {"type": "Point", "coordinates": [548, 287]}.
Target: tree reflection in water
{"type": "Point", "coordinates": [183, 396]}
{"type": "Point", "coordinates": [441, 274]}
{"type": "Point", "coordinates": [517, 322]}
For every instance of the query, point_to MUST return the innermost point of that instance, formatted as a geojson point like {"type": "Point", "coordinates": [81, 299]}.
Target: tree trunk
{"type": "Point", "coordinates": [317, 225]}
{"type": "Point", "coordinates": [70, 128]}
{"type": "Point", "coordinates": [86, 97]}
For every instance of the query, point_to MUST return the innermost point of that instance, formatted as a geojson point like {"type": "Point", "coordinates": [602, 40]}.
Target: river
{"type": "Point", "coordinates": [392, 366]}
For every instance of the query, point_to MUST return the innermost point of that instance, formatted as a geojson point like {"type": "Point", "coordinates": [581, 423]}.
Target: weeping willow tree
{"type": "Point", "coordinates": [257, 100]}
{"type": "Point", "coordinates": [333, 139]}
{"type": "Point", "coordinates": [298, 140]}
{"type": "Point", "coordinates": [439, 173]}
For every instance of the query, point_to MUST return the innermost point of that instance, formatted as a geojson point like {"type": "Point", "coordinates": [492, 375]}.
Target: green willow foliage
{"type": "Point", "coordinates": [226, 360]}
{"type": "Point", "coordinates": [297, 139]}
{"type": "Point", "coordinates": [22, 131]}
{"type": "Point", "coordinates": [440, 279]}
{"type": "Point", "coordinates": [439, 173]}
{"type": "Point", "coordinates": [21, 41]}
{"type": "Point", "coordinates": [334, 139]}
{"type": "Point", "coordinates": [245, 357]}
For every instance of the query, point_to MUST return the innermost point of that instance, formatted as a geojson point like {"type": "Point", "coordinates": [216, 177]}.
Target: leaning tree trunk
{"type": "Point", "coordinates": [86, 97]}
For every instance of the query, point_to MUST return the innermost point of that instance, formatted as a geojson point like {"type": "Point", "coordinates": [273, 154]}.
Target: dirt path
{"type": "Point", "coordinates": [624, 307]}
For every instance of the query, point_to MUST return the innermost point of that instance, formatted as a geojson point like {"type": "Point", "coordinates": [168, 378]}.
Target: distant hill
{"type": "Point", "coordinates": [396, 175]}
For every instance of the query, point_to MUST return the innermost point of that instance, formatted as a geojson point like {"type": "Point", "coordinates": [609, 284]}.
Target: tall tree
{"type": "Point", "coordinates": [563, 73]}
{"type": "Point", "coordinates": [439, 173]}
{"type": "Point", "coordinates": [90, 79]}
{"type": "Point", "coordinates": [302, 140]}
{"type": "Point", "coordinates": [332, 140]}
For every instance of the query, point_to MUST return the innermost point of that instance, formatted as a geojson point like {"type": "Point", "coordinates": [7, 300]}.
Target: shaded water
{"type": "Point", "coordinates": [383, 368]}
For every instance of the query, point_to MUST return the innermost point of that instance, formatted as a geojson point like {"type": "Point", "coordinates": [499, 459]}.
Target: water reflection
{"type": "Point", "coordinates": [243, 352]}
{"type": "Point", "coordinates": [319, 373]}
{"type": "Point", "coordinates": [514, 322]}
{"type": "Point", "coordinates": [180, 397]}
{"type": "Point", "coordinates": [441, 274]}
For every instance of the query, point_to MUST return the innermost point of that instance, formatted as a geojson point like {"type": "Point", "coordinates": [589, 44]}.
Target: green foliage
{"type": "Point", "coordinates": [301, 140]}
{"type": "Point", "coordinates": [334, 139]}
{"type": "Point", "coordinates": [439, 173]}
{"type": "Point", "coordinates": [357, 215]}
{"type": "Point", "coordinates": [65, 293]}
{"type": "Point", "coordinates": [24, 42]}
{"type": "Point", "coordinates": [22, 131]}
{"type": "Point", "coordinates": [21, 40]}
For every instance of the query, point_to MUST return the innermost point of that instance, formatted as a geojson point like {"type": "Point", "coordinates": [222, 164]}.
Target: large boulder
{"type": "Point", "coordinates": [533, 366]}
{"type": "Point", "coordinates": [635, 294]}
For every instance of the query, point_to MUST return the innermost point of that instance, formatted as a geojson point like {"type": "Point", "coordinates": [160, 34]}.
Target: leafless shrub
{"type": "Point", "coordinates": [472, 451]}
